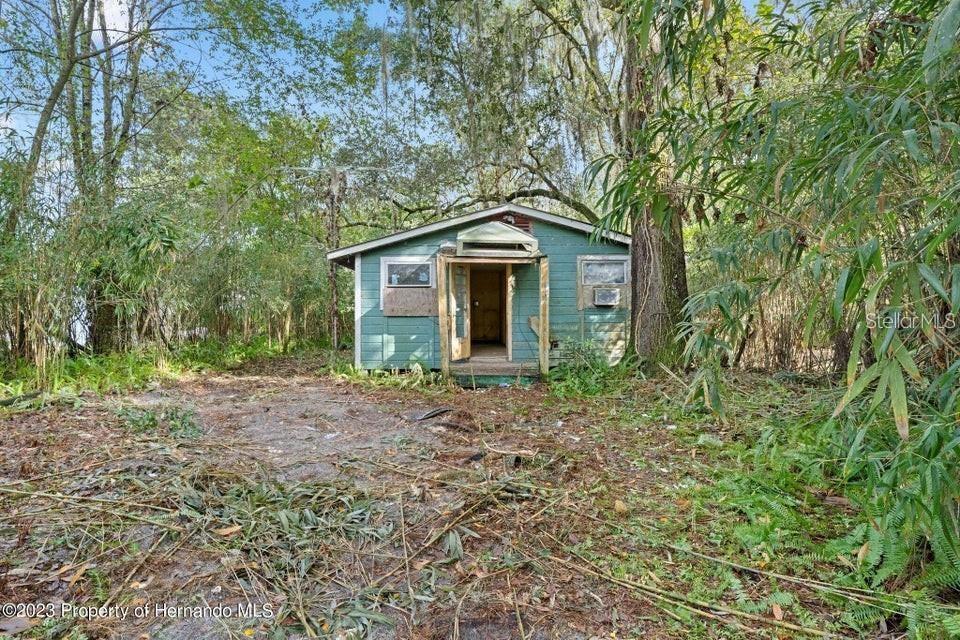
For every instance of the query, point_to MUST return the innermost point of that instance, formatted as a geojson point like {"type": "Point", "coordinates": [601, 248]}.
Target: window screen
{"type": "Point", "coordinates": [604, 272]}
{"type": "Point", "coordinates": [409, 274]}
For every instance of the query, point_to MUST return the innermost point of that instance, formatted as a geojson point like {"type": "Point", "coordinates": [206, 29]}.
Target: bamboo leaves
{"type": "Point", "coordinates": [851, 280]}
{"type": "Point", "coordinates": [941, 40]}
{"type": "Point", "coordinates": [912, 145]}
{"type": "Point", "coordinates": [933, 280]}
{"type": "Point", "coordinates": [858, 386]}
{"type": "Point", "coordinates": [645, 23]}
{"type": "Point", "coordinates": [889, 374]}
{"type": "Point", "coordinates": [898, 399]}
{"type": "Point", "coordinates": [955, 288]}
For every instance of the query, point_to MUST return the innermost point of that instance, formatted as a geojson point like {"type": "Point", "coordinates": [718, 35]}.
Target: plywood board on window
{"type": "Point", "coordinates": [409, 301]}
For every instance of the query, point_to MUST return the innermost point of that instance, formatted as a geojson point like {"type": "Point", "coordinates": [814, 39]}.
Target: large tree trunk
{"type": "Point", "coordinates": [103, 323]}
{"type": "Point", "coordinates": [659, 274]}
{"type": "Point", "coordinates": [658, 261]}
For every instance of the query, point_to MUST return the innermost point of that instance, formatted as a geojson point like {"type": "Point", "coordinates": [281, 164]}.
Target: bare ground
{"type": "Point", "coordinates": [342, 506]}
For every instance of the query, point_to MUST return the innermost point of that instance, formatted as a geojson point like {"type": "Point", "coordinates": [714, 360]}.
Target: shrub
{"type": "Point", "coordinates": [584, 371]}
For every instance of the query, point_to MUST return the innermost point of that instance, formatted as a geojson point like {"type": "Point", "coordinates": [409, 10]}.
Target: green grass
{"type": "Point", "coordinates": [219, 356]}
{"type": "Point", "coordinates": [119, 372]}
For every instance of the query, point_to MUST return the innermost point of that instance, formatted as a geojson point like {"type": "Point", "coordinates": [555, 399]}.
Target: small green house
{"type": "Point", "coordinates": [472, 295]}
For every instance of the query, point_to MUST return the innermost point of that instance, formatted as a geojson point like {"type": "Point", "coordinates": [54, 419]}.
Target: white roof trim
{"type": "Point", "coordinates": [536, 214]}
{"type": "Point", "coordinates": [496, 230]}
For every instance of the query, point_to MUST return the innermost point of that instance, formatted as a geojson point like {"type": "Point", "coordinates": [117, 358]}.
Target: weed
{"type": "Point", "coordinates": [585, 371]}
{"type": "Point", "coordinates": [177, 421]}
{"type": "Point", "coordinates": [218, 355]}
{"type": "Point", "coordinates": [101, 585]}
{"type": "Point", "coordinates": [182, 423]}
{"type": "Point", "coordinates": [139, 420]}
{"type": "Point", "coordinates": [59, 629]}
{"type": "Point", "coordinates": [418, 376]}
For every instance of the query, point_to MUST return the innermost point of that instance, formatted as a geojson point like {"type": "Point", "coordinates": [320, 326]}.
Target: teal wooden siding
{"type": "Point", "coordinates": [567, 323]}
{"type": "Point", "coordinates": [388, 342]}
{"type": "Point", "coordinates": [397, 342]}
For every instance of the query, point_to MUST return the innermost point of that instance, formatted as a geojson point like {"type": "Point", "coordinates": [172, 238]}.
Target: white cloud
{"type": "Point", "coordinates": [116, 14]}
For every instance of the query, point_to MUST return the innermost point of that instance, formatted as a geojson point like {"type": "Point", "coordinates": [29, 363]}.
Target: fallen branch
{"type": "Point", "coordinates": [693, 605]}
{"type": "Point", "coordinates": [68, 498]}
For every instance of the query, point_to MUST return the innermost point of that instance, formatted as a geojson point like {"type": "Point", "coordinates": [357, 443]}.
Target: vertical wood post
{"type": "Point", "coordinates": [443, 314]}
{"type": "Point", "coordinates": [544, 315]}
{"type": "Point", "coordinates": [511, 286]}
{"type": "Point", "coordinates": [357, 314]}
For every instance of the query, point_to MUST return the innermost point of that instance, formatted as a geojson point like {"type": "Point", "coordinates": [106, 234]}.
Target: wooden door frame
{"type": "Point", "coordinates": [508, 310]}
{"type": "Point", "coordinates": [544, 342]}
{"type": "Point", "coordinates": [443, 311]}
{"type": "Point", "coordinates": [496, 277]}
{"type": "Point", "coordinates": [445, 262]}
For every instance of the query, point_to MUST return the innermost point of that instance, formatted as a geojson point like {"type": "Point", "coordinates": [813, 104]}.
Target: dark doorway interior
{"type": "Point", "coordinates": [488, 290]}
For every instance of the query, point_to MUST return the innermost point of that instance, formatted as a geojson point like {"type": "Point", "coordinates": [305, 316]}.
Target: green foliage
{"type": "Point", "coordinates": [176, 421]}
{"type": "Point", "coordinates": [110, 373]}
{"type": "Point", "coordinates": [417, 376]}
{"type": "Point", "coordinates": [139, 420]}
{"type": "Point", "coordinates": [220, 356]}
{"type": "Point", "coordinates": [182, 423]}
{"type": "Point", "coordinates": [585, 371]}
{"type": "Point", "coordinates": [773, 495]}
{"type": "Point", "coordinates": [59, 629]}
{"type": "Point", "coordinates": [101, 585]}
{"type": "Point", "coordinates": [825, 187]}
{"type": "Point", "coordinates": [906, 494]}
{"type": "Point", "coordinates": [135, 369]}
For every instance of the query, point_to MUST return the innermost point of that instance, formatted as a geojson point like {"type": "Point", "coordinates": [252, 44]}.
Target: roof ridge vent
{"type": "Point", "coordinates": [496, 239]}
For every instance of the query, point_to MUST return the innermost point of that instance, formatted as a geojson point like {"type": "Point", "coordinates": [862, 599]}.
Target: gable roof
{"type": "Point", "coordinates": [345, 254]}
{"type": "Point", "coordinates": [495, 230]}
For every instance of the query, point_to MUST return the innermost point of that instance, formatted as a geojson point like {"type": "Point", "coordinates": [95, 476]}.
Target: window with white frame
{"type": "Point", "coordinates": [408, 272]}
{"type": "Point", "coordinates": [603, 270]}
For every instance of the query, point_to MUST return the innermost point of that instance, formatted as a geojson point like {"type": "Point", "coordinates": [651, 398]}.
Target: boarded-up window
{"type": "Point", "coordinates": [604, 271]}
{"type": "Point", "coordinates": [408, 286]}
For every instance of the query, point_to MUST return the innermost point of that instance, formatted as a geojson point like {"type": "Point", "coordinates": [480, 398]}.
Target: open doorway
{"type": "Point", "coordinates": [488, 312]}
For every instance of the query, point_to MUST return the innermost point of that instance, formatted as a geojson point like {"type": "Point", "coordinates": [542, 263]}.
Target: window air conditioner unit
{"type": "Point", "coordinates": [606, 297]}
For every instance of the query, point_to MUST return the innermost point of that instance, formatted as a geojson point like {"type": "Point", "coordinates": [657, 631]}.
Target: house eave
{"type": "Point", "coordinates": [344, 255]}
{"type": "Point", "coordinates": [347, 260]}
